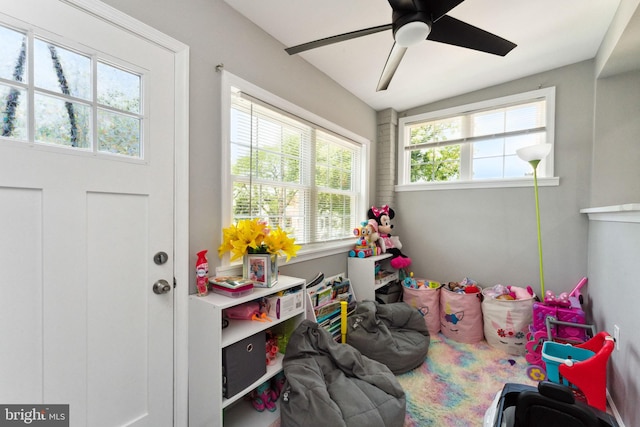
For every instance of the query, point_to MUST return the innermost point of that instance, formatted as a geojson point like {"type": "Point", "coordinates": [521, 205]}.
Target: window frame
{"type": "Point", "coordinates": [309, 251]}
{"type": "Point", "coordinates": [545, 169]}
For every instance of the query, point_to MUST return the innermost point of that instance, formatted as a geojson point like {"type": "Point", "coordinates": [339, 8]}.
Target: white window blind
{"type": "Point", "coordinates": [292, 173]}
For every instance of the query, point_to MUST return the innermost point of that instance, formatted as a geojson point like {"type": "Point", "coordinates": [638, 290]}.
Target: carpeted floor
{"type": "Point", "coordinates": [458, 382]}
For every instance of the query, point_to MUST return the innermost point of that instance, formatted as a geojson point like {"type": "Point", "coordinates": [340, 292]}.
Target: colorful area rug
{"type": "Point", "coordinates": [458, 382]}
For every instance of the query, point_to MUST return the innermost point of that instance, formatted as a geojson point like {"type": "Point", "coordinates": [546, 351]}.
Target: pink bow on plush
{"type": "Point", "coordinates": [378, 212]}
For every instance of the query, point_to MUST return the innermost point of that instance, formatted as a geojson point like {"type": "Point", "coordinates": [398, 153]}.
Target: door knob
{"type": "Point", "coordinates": [161, 287]}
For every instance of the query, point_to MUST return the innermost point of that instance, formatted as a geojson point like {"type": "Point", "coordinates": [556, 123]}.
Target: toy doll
{"type": "Point", "coordinates": [388, 243]}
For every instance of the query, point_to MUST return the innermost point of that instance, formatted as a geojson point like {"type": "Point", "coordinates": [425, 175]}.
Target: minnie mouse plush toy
{"type": "Point", "coordinates": [389, 244]}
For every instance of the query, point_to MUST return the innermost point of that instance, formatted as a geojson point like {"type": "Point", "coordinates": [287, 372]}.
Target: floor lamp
{"type": "Point", "coordinates": [534, 154]}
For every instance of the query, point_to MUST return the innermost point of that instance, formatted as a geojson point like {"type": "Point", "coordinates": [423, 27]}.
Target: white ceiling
{"type": "Point", "coordinates": [549, 34]}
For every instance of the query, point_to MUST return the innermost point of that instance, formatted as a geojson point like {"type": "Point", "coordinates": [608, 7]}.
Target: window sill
{"type": "Point", "coordinates": [312, 252]}
{"type": "Point", "coordinates": [485, 183]}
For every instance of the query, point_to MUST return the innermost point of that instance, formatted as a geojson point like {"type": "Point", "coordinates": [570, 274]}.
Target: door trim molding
{"type": "Point", "coordinates": [181, 188]}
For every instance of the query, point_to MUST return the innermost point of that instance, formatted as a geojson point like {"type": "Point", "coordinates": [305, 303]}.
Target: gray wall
{"type": "Point", "coordinates": [614, 250]}
{"type": "Point", "coordinates": [614, 247]}
{"type": "Point", "coordinates": [616, 155]}
{"type": "Point", "coordinates": [217, 34]}
{"type": "Point", "coordinates": [490, 234]}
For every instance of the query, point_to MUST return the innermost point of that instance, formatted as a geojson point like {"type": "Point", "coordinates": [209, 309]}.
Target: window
{"type": "Point", "coordinates": [290, 171]}
{"type": "Point", "coordinates": [475, 145]}
{"type": "Point", "coordinates": [57, 96]}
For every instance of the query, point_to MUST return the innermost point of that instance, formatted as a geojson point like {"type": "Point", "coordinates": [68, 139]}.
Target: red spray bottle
{"type": "Point", "coordinates": [202, 273]}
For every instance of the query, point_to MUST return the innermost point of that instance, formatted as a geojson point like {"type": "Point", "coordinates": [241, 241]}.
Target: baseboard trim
{"type": "Point", "coordinates": [614, 410]}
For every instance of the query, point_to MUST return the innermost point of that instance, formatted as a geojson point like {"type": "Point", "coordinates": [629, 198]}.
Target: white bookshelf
{"type": "Point", "coordinates": [361, 272]}
{"type": "Point", "coordinates": [207, 405]}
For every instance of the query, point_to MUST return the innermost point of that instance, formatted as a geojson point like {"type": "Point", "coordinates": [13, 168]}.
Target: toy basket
{"type": "Point", "coordinates": [506, 323]}
{"type": "Point", "coordinates": [427, 301]}
{"type": "Point", "coordinates": [461, 316]}
{"type": "Point", "coordinates": [554, 354]}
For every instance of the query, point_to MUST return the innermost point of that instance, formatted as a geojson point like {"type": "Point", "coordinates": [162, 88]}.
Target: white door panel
{"type": "Point", "coordinates": [79, 234]}
{"type": "Point", "coordinates": [21, 303]}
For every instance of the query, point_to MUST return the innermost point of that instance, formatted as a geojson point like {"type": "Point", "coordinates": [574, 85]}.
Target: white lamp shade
{"type": "Point", "coordinates": [412, 33]}
{"type": "Point", "coordinates": [534, 152]}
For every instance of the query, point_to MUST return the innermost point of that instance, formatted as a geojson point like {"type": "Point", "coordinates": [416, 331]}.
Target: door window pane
{"type": "Point", "coordinates": [118, 89]}
{"type": "Point", "coordinates": [61, 122]}
{"type": "Point", "coordinates": [62, 71]}
{"type": "Point", "coordinates": [13, 55]}
{"type": "Point", "coordinates": [118, 134]}
{"type": "Point", "coordinates": [13, 112]}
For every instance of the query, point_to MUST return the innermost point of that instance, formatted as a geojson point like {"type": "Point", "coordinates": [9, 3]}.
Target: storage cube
{"type": "Point", "coordinates": [243, 363]}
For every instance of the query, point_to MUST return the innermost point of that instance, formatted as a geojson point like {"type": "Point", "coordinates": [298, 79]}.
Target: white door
{"type": "Point", "coordinates": [80, 323]}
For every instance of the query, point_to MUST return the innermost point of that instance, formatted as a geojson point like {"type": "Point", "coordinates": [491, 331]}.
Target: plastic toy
{"type": "Point", "coordinates": [536, 340]}
{"type": "Point", "coordinates": [388, 243]}
{"type": "Point", "coordinates": [366, 245]}
{"type": "Point", "coordinates": [271, 347]}
{"type": "Point", "coordinates": [499, 292]}
{"type": "Point", "coordinates": [561, 300]}
{"type": "Point", "coordinates": [567, 311]}
{"type": "Point", "coordinates": [583, 366]}
{"type": "Point", "coordinates": [410, 282]}
{"type": "Point", "coordinates": [466, 286]}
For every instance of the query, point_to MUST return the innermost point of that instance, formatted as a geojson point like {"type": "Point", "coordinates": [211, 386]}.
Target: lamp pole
{"type": "Point", "coordinates": [534, 163]}
{"type": "Point", "coordinates": [533, 155]}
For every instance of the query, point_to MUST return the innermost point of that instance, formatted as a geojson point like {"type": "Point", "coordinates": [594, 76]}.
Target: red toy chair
{"type": "Point", "coordinates": [586, 373]}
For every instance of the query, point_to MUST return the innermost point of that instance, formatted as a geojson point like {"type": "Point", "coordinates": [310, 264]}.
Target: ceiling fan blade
{"type": "Point", "coordinates": [335, 39]}
{"type": "Point", "coordinates": [440, 8]}
{"type": "Point", "coordinates": [452, 31]}
{"type": "Point", "coordinates": [404, 4]}
{"type": "Point", "coordinates": [390, 67]}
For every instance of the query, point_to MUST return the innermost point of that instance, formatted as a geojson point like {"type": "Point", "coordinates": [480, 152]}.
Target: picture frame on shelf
{"type": "Point", "coordinates": [261, 269]}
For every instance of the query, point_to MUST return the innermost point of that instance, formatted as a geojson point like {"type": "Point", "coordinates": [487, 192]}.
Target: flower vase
{"type": "Point", "coordinates": [260, 269]}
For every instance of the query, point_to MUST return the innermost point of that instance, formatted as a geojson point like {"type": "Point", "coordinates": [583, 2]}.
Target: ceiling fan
{"type": "Point", "coordinates": [414, 21]}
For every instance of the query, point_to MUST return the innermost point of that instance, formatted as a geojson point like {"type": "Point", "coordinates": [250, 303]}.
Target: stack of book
{"type": "Point", "coordinates": [326, 298]}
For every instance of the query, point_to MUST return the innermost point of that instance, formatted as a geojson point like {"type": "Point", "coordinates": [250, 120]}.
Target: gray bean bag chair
{"type": "Point", "coordinates": [331, 384]}
{"type": "Point", "coordinates": [393, 334]}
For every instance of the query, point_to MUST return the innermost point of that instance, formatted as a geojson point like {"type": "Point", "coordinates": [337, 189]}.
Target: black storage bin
{"type": "Point", "coordinates": [243, 363]}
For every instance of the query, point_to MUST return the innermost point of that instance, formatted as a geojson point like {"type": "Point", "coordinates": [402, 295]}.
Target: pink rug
{"type": "Point", "coordinates": [458, 382]}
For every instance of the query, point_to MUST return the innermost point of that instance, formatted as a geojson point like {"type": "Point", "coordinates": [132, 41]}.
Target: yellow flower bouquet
{"type": "Point", "coordinates": [253, 236]}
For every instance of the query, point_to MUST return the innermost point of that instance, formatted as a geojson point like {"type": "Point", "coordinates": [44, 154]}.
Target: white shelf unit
{"type": "Point", "coordinates": [361, 272]}
{"type": "Point", "coordinates": [207, 406]}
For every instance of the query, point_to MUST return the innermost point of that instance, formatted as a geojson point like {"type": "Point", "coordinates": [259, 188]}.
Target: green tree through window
{"type": "Point", "coordinates": [437, 163]}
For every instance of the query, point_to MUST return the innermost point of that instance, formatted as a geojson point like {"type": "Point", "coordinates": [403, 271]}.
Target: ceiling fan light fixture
{"type": "Point", "coordinates": [412, 33]}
